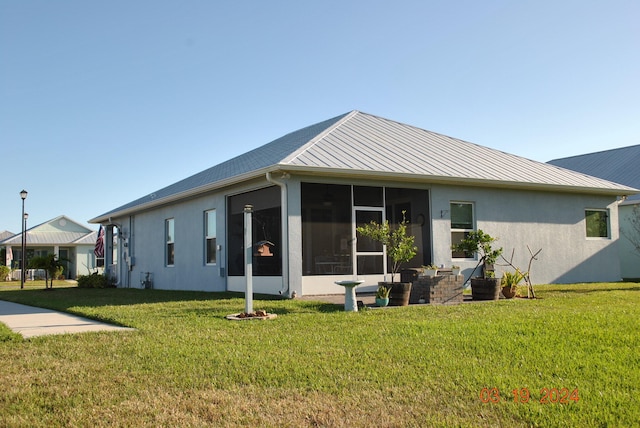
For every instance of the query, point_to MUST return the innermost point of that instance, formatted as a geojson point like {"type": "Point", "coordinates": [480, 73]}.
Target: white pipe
{"type": "Point", "coordinates": [285, 230]}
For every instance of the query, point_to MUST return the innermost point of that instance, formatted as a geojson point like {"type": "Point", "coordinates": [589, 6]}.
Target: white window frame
{"type": "Point", "coordinates": [169, 240]}
{"type": "Point", "coordinates": [209, 235]}
{"type": "Point", "coordinates": [459, 230]}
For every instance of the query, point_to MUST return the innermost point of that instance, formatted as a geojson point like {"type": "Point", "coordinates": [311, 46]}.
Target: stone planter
{"type": "Point", "coordinates": [485, 288]}
{"type": "Point", "coordinates": [439, 290]}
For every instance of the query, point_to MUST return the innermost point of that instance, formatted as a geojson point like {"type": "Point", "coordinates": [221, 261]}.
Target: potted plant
{"type": "Point", "coordinates": [486, 287]}
{"type": "Point", "coordinates": [400, 249]}
{"type": "Point", "coordinates": [430, 270]}
{"type": "Point", "coordinates": [510, 281]}
{"type": "Point", "coordinates": [455, 270]}
{"type": "Point", "coordinates": [382, 295]}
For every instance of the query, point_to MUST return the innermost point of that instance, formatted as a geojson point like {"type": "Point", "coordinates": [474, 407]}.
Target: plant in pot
{"type": "Point", "coordinates": [455, 270]}
{"type": "Point", "coordinates": [430, 270]}
{"type": "Point", "coordinates": [486, 287]}
{"type": "Point", "coordinates": [400, 248]}
{"type": "Point", "coordinates": [510, 281]}
{"type": "Point", "coordinates": [382, 295]}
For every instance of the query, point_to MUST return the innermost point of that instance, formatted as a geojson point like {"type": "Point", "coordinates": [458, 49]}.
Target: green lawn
{"type": "Point", "coordinates": [315, 365]}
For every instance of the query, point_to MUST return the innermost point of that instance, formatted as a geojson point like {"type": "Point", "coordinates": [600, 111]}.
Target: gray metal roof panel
{"type": "Point", "coordinates": [88, 239]}
{"type": "Point", "coordinates": [256, 159]}
{"type": "Point", "coordinates": [48, 238]}
{"type": "Point", "coordinates": [359, 142]}
{"type": "Point", "coordinates": [5, 234]}
{"type": "Point", "coordinates": [368, 143]}
{"type": "Point", "coordinates": [621, 165]}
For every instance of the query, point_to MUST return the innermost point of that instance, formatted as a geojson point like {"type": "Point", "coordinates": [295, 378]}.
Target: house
{"type": "Point", "coordinates": [310, 189]}
{"type": "Point", "coordinates": [61, 236]}
{"type": "Point", "coordinates": [620, 165]}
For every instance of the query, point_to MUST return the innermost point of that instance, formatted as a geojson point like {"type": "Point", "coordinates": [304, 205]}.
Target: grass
{"type": "Point", "coordinates": [316, 365]}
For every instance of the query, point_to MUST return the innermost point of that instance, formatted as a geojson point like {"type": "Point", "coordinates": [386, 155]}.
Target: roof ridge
{"type": "Point", "coordinates": [309, 144]}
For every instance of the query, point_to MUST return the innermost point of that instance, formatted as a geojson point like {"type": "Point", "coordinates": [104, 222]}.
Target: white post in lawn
{"type": "Point", "coordinates": [248, 269]}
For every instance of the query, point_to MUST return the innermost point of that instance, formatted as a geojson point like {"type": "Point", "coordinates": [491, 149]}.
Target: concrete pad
{"type": "Point", "coordinates": [31, 321]}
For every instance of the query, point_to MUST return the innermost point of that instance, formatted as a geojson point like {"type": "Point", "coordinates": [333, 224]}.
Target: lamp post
{"type": "Point", "coordinates": [23, 195]}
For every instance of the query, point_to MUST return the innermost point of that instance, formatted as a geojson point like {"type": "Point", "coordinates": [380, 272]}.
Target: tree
{"type": "Point", "coordinates": [481, 243]}
{"type": "Point", "coordinates": [50, 264]}
{"type": "Point", "coordinates": [400, 246]}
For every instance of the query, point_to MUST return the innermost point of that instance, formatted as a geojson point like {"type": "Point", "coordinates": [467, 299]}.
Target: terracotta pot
{"type": "Point", "coordinates": [509, 292]}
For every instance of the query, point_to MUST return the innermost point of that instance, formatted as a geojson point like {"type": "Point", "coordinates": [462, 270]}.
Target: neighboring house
{"type": "Point", "coordinates": [621, 166]}
{"type": "Point", "coordinates": [62, 236]}
{"type": "Point", "coordinates": [311, 188]}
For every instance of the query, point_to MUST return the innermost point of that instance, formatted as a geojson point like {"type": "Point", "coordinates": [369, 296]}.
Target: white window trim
{"type": "Point", "coordinates": [207, 236]}
{"type": "Point", "coordinates": [167, 242]}
{"type": "Point", "coordinates": [475, 227]}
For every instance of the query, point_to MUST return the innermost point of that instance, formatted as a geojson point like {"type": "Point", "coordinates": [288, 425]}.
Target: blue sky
{"type": "Point", "coordinates": [104, 102]}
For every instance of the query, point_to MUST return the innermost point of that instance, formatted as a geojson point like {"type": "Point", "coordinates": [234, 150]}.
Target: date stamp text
{"type": "Point", "coordinates": [523, 395]}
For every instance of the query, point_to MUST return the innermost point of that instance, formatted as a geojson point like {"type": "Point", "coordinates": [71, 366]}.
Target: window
{"type": "Point", "coordinates": [169, 235]}
{"type": "Point", "coordinates": [461, 225]}
{"type": "Point", "coordinates": [597, 223]}
{"type": "Point", "coordinates": [210, 237]}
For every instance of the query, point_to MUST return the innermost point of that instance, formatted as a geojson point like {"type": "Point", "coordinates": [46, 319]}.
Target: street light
{"type": "Point", "coordinates": [23, 195]}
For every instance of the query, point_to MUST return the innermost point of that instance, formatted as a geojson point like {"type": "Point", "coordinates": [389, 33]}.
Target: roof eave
{"type": "Point", "coordinates": [352, 173]}
{"type": "Point", "coordinates": [466, 181]}
{"type": "Point", "coordinates": [153, 203]}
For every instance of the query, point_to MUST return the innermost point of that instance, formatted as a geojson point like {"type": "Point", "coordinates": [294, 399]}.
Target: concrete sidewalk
{"type": "Point", "coordinates": [31, 321]}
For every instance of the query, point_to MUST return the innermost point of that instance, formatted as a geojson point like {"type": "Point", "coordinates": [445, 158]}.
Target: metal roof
{"type": "Point", "coordinates": [58, 231]}
{"type": "Point", "coordinates": [620, 165]}
{"type": "Point", "coordinates": [5, 234]}
{"type": "Point", "coordinates": [52, 238]}
{"type": "Point", "coordinates": [360, 144]}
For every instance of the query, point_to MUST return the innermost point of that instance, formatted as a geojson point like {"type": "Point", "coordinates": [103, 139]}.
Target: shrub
{"type": "Point", "coordinates": [95, 281]}
{"type": "Point", "coordinates": [4, 272]}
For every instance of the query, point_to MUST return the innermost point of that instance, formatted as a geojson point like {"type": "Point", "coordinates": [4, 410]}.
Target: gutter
{"type": "Point", "coordinates": [285, 229]}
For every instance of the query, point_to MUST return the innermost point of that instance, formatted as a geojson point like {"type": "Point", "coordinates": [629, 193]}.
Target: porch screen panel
{"type": "Point", "coordinates": [412, 206]}
{"type": "Point", "coordinates": [266, 228]}
{"type": "Point", "coordinates": [370, 255]}
{"type": "Point", "coordinates": [326, 229]}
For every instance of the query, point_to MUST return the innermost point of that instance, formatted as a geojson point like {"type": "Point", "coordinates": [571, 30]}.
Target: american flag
{"type": "Point", "coordinates": [99, 249]}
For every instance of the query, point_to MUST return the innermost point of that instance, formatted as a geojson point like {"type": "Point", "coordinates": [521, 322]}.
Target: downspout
{"type": "Point", "coordinates": [285, 229]}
